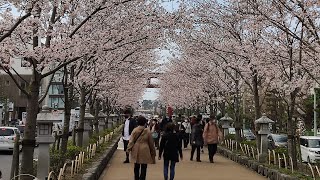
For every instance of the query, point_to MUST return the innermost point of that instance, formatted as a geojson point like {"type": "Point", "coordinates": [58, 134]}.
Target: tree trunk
{"type": "Point", "coordinates": [68, 95]}
{"type": "Point", "coordinates": [81, 117]}
{"type": "Point", "coordinates": [96, 116]}
{"type": "Point", "coordinates": [238, 123]}
{"type": "Point", "coordinates": [29, 142]}
{"type": "Point", "coordinates": [257, 109]}
{"type": "Point", "coordinates": [292, 129]}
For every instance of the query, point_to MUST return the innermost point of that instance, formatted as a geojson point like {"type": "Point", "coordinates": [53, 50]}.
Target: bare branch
{"type": "Point", "coordinates": [47, 90]}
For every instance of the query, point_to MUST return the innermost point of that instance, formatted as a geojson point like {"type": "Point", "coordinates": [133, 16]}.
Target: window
{"type": "Point", "coordinates": [6, 132]}
{"type": "Point", "coordinates": [7, 83]}
{"type": "Point", "coordinates": [56, 102]}
{"type": "Point", "coordinates": [44, 129]}
{"type": "Point", "coordinates": [56, 89]}
{"type": "Point", "coordinates": [303, 142]}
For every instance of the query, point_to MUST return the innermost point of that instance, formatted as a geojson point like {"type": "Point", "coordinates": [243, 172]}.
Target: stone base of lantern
{"type": "Point", "coordinates": [86, 138]}
{"type": "Point", "coordinates": [43, 160]}
{"type": "Point", "coordinates": [263, 158]}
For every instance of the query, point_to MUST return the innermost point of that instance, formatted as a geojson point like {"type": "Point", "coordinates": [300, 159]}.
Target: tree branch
{"type": "Point", "coordinates": [19, 75]}
{"type": "Point", "coordinates": [47, 90]}
{"type": "Point", "coordinates": [7, 34]}
{"type": "Point", "coordinates": [59, 67]}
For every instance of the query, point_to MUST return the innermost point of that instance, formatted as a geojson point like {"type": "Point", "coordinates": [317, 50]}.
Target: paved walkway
{"type": "Point", "coordinates": [222, 169]}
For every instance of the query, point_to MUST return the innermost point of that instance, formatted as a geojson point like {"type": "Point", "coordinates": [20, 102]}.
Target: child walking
{"type": "Point", "coordinates": [170, 146]}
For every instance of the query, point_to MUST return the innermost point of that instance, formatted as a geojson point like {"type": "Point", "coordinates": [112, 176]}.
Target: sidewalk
{"type": "Point", "coordinates": [222, 169]}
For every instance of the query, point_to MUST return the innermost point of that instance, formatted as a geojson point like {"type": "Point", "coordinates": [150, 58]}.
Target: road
{"type": "Point", "coordinates": [5, 163]}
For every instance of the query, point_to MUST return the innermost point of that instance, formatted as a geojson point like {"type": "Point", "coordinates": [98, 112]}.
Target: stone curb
{"type": "Point", "coordinates": [97, 167]}
{"type": "Point", "coordinates": [261, 169]}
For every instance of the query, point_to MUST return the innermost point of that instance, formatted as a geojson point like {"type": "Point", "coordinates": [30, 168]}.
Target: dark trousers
{"type": "Point", "coordinates": [166, 168]}
{"type": "Point", "coordinates": [156, 142]}
{"type": "Point", "coordinates": [125, 146]}
{"type": "Point", "coordinates": [212, 148]}
{"type": "Point", "coordinates": [186, 140]}
{"type": "Point", "coordinates": [140, 171]}
{"type": "Point", "coordinates": [194, 147]}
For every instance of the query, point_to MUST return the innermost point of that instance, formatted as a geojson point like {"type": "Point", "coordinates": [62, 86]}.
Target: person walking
{"type": "Point", "coordinates": [211, 136]}
{"type": "Point", "coordinates": [142, 149]}
{"type": "Point", "coordinates": [171, 148]}
{"type": "Point", "coordinates": [196, 138]}
{"type": "Point", "coordinates": [129, 125]}
{"type": "Point", "coordinates": [186, 138]}
{"type": "Point", "coordinates": [155, 132]}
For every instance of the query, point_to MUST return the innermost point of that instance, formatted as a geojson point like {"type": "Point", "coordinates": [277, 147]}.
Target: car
{"type": "Point", "coordinates": [310, 148]}
{"type": "Point", "coordinates": [232, 131]}
{"type": "Point", "coordinates": [7, 138]}
{"type": "Point", "coordinates": [277, 140]}
{"type": "Point", "coordinates": [21, 130]}
{"type": "Point", "coordinates": [248, 134]}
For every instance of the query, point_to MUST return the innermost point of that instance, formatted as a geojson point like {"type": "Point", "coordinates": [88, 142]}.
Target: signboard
{"type": "Point", "coordinates": [10, 106]}
{"type": "Point", "coordinates": [24, 117]}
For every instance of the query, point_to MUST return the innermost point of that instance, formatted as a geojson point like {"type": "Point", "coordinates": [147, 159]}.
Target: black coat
{"type": "Point", "coordinates": [171, 147]}
{"type": "Point", "coordinates": [132, 124]}
{"type": "Point", "coordinates": [196, 135]}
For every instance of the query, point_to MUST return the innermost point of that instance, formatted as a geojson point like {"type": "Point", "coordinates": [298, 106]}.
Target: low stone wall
{"type": "Point", "coordinates": [97, 167]}
{"type": "Point", "coordinates": [272, 174]}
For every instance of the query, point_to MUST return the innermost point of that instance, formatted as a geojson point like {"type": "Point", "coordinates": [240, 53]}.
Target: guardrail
{"type": "Point", "coordinates": [90, 152]}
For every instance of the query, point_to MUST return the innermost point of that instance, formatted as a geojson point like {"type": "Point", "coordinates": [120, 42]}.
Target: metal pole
{"type": "Point", "coordinates": [1, 108]}
{"type": "Point", "coordinates": [315, 112]}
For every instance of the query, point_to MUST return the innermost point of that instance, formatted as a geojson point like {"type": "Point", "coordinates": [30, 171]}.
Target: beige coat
{"type": "Point", "coordinates": [211, 134]}
{"type": "Point", "coordinates": [143, 151]}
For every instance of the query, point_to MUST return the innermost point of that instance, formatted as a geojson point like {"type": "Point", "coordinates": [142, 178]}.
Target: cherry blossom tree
{"type": "Point", "coordinates": [56, 34]}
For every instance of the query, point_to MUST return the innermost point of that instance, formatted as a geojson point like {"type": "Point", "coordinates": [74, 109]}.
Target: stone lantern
{"type": "Point", "coordinates": [263, 123]}
{"type": "Point", "coordinates": [102, 119]}
{"type": "Point", "coordinates": [45, 120]}
{"type": "Point", "coordinates": [225, 122]}
{"type": "Point", "coordinates": [88, 118]}
{"type": "Point", "coordinates": [112, 120]}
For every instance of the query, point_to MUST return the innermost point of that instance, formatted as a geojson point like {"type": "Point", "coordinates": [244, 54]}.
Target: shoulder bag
{"type": "Point", "coordinates": [134, 142]}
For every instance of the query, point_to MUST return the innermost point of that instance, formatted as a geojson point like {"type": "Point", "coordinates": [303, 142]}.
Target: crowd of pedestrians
{"type": "Point", "coordinates": [142, 137]}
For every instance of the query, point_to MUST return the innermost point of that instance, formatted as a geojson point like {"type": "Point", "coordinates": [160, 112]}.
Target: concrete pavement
{"type": "Point", "coordinates": [222, 169]}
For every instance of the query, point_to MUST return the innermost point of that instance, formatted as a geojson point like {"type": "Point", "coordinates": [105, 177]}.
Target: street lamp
{"type": "Point", "coordinates": [45, 120]}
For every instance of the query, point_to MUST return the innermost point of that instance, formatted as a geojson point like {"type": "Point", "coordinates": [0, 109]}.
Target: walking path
{"type": "Point", "coordinates": [222, 169]}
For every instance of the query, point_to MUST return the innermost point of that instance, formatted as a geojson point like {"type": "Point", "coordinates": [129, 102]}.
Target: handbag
{"type": "Point", "coordinates": [155, 135]}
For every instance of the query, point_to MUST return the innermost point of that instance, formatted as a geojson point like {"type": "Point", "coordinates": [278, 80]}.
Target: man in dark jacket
{"type": "Point", "coordinates": [170, 146]}
{"type": "Point", "coordinates": [196, 138]}
{"type": "Point", "coordinates": [164, 122]}
{"type": "Point", "coordinates": [128, 127]}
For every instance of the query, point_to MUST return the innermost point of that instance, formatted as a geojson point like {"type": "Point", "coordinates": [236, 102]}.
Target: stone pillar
{"type": "Point", "coordinates": [263, 123]}
{"type": "Point", "coordinates": [45, 120]}
{"type": "Point", "coordinates": [87, 128]}
{"type": "Point", "coordinates": [43, 160]}
{"type": "Point", "coordinates": [88, 118]}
